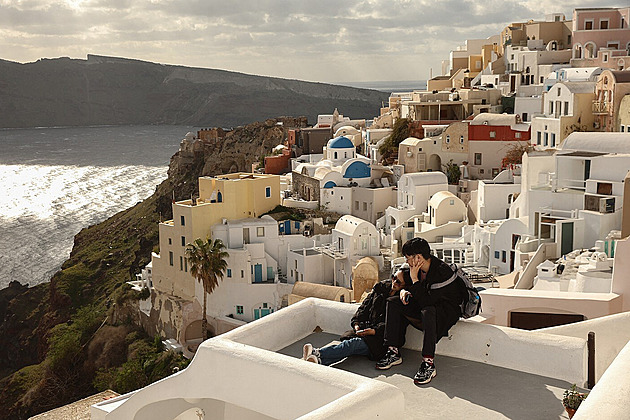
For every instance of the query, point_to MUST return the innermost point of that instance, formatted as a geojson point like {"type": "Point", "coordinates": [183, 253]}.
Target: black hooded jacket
{"type": "Point", "coordinates": [371, 314]}
{"type": "Point", "coordinates": [446, 300]}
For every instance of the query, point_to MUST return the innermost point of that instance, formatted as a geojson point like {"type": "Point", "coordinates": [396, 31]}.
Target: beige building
{"type": "Point", "coordinates": [233, 196]}
{"type": "Point", "coordinates": [449, 106]}
{"type": "Point", "coordinates": [554, 28]}
{"type": "Point", "coordinates": [610, 89]}
{"type": "Point", "coordinates": [567, 107]}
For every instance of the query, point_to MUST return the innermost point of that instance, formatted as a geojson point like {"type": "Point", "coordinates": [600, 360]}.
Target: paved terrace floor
{"type": "Point", "coordinates": [461, 390]}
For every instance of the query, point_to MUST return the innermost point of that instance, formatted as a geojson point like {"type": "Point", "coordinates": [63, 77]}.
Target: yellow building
{"type": "Point", "coordinates": [225, 197]}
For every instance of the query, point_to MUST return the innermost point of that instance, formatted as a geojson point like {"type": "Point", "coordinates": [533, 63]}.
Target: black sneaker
{"type": "Point", "coordinates": [390, 359]}
{"type": "Point", "coordinates": [426, 372]}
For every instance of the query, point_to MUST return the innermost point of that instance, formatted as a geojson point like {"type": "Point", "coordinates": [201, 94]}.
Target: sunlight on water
{"type": "Point", "coordinates": [46, 206]}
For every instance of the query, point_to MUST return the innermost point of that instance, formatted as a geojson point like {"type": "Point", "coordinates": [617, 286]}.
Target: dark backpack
{"type": "Point", "coordinates": [471, 305]}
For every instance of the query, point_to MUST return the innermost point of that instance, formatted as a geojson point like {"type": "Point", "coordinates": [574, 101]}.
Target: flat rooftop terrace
{"type": "Point", "coordinates": [462, 389]}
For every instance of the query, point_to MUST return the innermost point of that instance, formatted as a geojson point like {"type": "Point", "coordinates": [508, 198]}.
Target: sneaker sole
{"type": "Point", "coordinates": [306, 352]}
{"type": "Point", "coordinates": [397, 362]}
{"type": "Point", "coordinates": [426, 381]}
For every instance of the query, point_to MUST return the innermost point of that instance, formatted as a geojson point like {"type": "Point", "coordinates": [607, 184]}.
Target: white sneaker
{"type": "Point", "coordinates": [313, 359]}
{"type": "Point", "coordinates": [307, 351]}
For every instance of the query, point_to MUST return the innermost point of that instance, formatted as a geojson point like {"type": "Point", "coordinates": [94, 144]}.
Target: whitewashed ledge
{"type": "Point", "coordinates": [240, 375]}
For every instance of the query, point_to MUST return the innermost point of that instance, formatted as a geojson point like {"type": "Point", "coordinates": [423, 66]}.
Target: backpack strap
{"type": "Point", "coordinates": [445, 282]}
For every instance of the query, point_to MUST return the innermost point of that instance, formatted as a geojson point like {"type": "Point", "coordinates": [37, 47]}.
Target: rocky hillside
{"type": "Point", "coordinates": [116, 91]}
{"type": "Point", "coordinates": [67, 339]}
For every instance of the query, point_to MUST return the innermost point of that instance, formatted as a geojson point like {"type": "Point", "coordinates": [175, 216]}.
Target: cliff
{"type": "Point", "coordinates": [116, 91]}
{"type": "Point", "coordinates": [67, 339]}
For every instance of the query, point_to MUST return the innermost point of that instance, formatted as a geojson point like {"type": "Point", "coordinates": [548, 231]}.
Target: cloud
{"type": "Point", "coordinates": [324, 40]}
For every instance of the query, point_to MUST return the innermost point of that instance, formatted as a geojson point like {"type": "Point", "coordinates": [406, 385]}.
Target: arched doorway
{"type": "Point", "coordinates": [435, 163]}
{"type": "Point", "coordinates": [590, 50]}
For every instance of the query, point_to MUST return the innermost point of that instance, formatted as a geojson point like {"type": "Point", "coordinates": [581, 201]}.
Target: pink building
{"type": "Point", "coordinates": [601, 38]}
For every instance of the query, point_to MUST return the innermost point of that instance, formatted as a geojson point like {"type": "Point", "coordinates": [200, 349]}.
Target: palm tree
{"type": "Point", "coordinates": [207, 264]}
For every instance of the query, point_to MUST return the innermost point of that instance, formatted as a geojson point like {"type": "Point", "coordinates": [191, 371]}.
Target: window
{"type": "Point", "coordinates": [605, 57]}
{"type": "Point", "coordinates": [551, 107]}
{"type": "Point", "coordinates": [524, 116]}
{"type": "Point", "coordinates": [503, 256]}
{"type": "Point", "coordinates": [170, 241]}
{"type": "Point", "coordinates": [538, 137]}
{"type": "Point", "coordinates": [461, 139]}
{"type": "Point", "coordinates": [559, 91]}
{"type": "Point", "coordinates": [517, 135]}
{"type": "Point", "coordinates": [356, 205]}
{"type": "Point", "coordinates": [183, 241]}
{"type": "Point", "coordinates": [182, 220]}
{"type": "Point", "coordinates": [229, 272]}
{"type": "Point", "coordinates": [493, 134]}
{"type": "Point", "coordinates": [181, 263]}
{"type": "Point", "coordinates": [553, 139]}
{"type": "Point", "coordinates": [588, 25]}
{"type": "Point", "coordinates": [242, 274]}
{"type": "Point", "coordinates": [364, 206]}
{"type": "Point", "coordinates": [268, 192]}
{"type": "Point", "coordinates": [603, 24]}
{"type": "Point", "coordinates": [448, 138]}
{"type": "Point", "coordinates": [566, 107]}
{"type": "Point", "coordinates": [497, 255]}
{"type": "Point", "coordinates": [186, 265]}
{"type": "Point", "coordinates": [239, 309]}
{"type": "Point", "coordinates": [260, 231]}
{"type": "Point", "coordinates": [451, 202]}
{"type": "Point", "coordinates": [170, 258]}
{"type": "Point", "coordinates": [477, 158]}
{"type": "Point", "coordinates": [546, 139]}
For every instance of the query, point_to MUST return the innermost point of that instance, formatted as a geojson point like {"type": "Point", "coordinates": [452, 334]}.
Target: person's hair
{"type": "Point", "coordinates": [406, 276]}
{"type": "Point", "coordinates": [416, 246]}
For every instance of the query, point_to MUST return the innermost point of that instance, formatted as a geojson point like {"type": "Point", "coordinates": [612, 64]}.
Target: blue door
{"type": "Point", "coordinates": [287, 227]}
{"type": "Point", "coordinates": [258, 273]}
{"type": "Point", "coordinates": [256, 313]}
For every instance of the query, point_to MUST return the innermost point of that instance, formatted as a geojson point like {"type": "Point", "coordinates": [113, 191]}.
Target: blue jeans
{"type": "Point", "coordinates": [332, 354]}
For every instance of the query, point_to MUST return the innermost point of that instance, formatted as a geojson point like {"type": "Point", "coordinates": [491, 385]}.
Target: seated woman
{"type": "Point", "coordinates": [368, 326]}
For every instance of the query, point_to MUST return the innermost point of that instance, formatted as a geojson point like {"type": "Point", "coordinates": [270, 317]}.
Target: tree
{"type": "Point", "coordinates": [207, 261]}
{"type": "Point", "coordinates": [400, 131]}
{"type": "Point", "coordinates": [514, 154]}
{"type": "Point", "coordinates": [452, 171]}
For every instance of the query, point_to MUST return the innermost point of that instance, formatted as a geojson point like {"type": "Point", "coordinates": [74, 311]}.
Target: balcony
{"type": "Point", "coordinates": [601, 107]}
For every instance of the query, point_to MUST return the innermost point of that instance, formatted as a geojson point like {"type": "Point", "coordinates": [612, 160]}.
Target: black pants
{"type": "Point", "coordinates": [398, 316]}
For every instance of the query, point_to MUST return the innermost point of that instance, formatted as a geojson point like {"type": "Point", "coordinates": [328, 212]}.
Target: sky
{"type": "Point", "coordinates": [316, 40]}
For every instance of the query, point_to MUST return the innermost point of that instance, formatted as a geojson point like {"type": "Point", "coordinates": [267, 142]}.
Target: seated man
{"type": "Point", "coordinates": [434, 311]}
{"type": "Point", "coordinates": [368, 323]}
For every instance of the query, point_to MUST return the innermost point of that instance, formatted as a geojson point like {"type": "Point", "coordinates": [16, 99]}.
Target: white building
{"type": "Point", "coordinates": [352, 239]}
{"type": "Point", "coordinates": [578, 200]}
{"type": "Point", "coordinates": [414, 192]}
{"type": "Point", "coordinates": [492, 199]}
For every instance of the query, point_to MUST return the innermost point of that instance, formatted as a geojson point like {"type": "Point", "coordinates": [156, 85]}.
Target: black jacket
{"type": "Point", "coordinates": [446, 300]}
{"type": "Point", "coordinates": [371, 314]}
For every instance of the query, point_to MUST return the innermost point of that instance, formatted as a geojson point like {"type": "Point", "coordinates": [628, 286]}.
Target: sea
{"type": "Point", "coordinates": [56, 181]}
